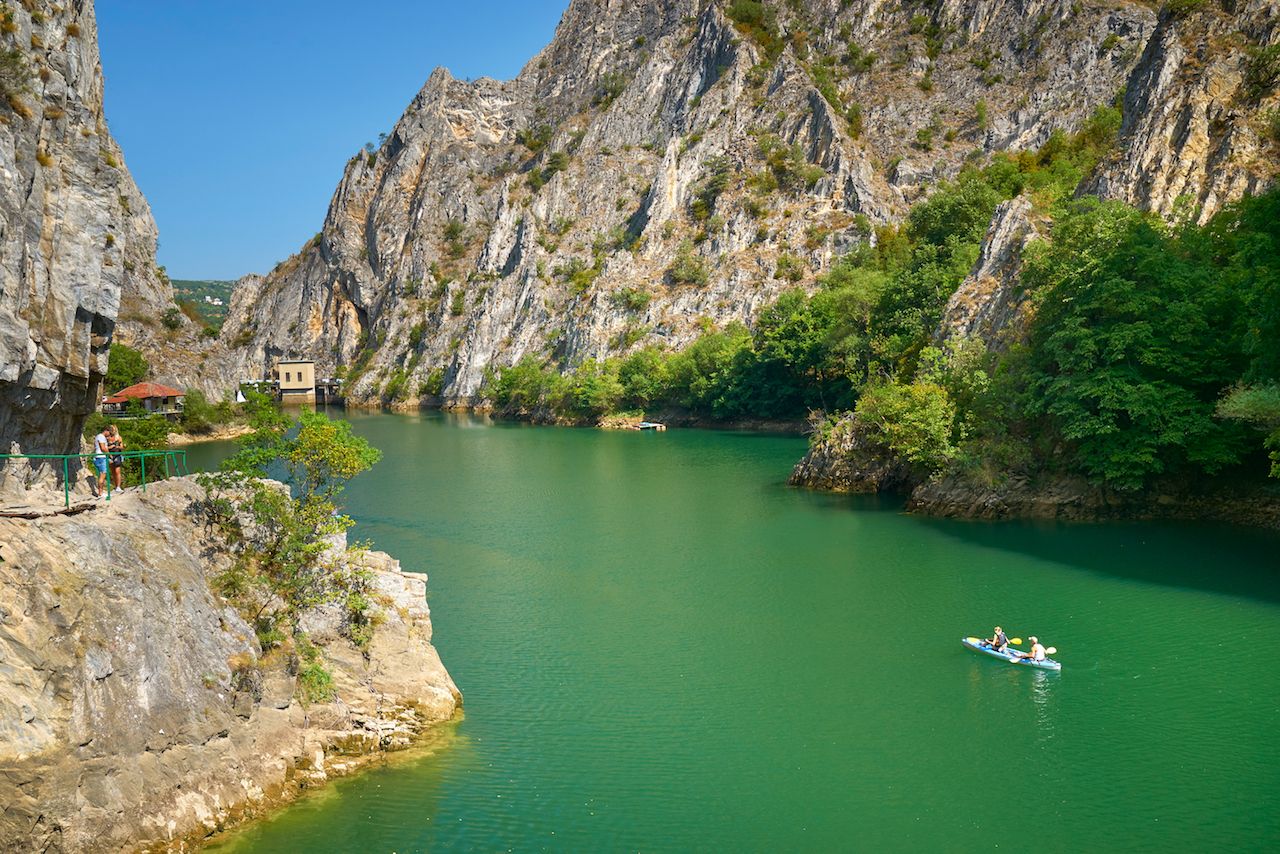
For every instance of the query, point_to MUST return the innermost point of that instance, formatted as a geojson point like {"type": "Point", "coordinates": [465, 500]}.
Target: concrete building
{"type": "Point", "coordinates": [296, 380]}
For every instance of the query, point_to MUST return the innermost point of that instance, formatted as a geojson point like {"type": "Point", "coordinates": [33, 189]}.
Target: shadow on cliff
{"type": "Point", "coordinates": [1205, 556]}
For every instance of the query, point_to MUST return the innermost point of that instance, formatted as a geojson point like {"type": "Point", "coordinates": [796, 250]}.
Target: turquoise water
{"type": "Point", "coordinates": [664, 648]}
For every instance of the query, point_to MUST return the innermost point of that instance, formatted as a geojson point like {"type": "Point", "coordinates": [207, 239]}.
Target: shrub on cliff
{"type": "Point", "coordinates": [913, 421]}
{"type": "Point", "coordinates": [15, 74]}
{"type": "Point", "coordinates": [688, 268]}
{"type": "Point", "coordinates": [282, 542]}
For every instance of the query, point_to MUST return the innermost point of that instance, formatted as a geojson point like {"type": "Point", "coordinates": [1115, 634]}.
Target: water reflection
{"type": "Point", "coordinates": [1043, 685]}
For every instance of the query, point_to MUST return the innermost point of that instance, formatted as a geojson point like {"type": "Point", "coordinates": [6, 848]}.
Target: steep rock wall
{"type": "Point", "coordinates": [136, 708]}
{"type": "Point", "coordinates": [542, 216]}
{"type": "Point", "coordinates": [76, 237]}
{"type": "Point", "coordinates": [1194, 133]}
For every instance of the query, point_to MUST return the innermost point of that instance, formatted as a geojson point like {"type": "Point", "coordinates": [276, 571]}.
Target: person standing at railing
{"type": "Point", "coordinates": [115, 444]}
{"type": "Point", "coordinates": [100, 448]}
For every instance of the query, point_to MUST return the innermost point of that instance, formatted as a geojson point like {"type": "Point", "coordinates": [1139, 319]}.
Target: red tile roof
{"type": "Point", "coordinates": [141, 391]}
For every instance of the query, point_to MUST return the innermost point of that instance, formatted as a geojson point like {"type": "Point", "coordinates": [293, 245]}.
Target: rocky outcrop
{"type": "Point", "coordinates": [544, 216]}
{"type": "Point", "coordinates": [77, 241]}
{"type": "Point", "coordinates": [136, 708]}
{"type": "Point", "coordinates": [1075, 499]}
{"type": "Point", "coordinates": [1194, 129]}
{"type": "Point", "coordinates": [990, 304]}
{"type": "Point", "coordinates": [1193, 139]}
{"type": "Point", "coordinates": [842, 458]}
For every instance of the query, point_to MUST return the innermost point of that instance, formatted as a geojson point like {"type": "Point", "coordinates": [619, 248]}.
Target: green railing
{"type": "Point", "coordinates": [173, 462]}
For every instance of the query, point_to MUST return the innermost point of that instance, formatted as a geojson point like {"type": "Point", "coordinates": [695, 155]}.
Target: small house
{"type": "Point", "coordinates": [155, 398]}
{"type": "Point", "coordinates": [296, 380]}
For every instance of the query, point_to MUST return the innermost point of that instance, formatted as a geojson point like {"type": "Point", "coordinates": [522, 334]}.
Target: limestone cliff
{"type": "Point", "coordinates": [77, 241]}
{"type": "Point", "coordinates": [1194, 138]}
{"type": "Point", "coordinates": [1194, 124]}
{"type": "Point", "coordinates": [661, 166]}
{"type": "Point", "coordinates": [137, 710]}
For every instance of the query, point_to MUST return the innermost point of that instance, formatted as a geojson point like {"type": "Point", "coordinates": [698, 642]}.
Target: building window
{"type": "Point", "coordinates": [287, 376]}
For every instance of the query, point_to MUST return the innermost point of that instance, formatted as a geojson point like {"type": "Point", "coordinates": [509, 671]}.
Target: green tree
{"type": "Point", "coordinates": [913, 421]}
{"type": "Point", "coordinates": [1133, 340]}
{"type": "Point", "coordinates": [594, 389]}
{"type": "Point", "coordinates": [644, 377]}
{"type": "Point", "coordinates": [1258, 406]}
{"type": "Point", "coordinates": [281, 539]}
{"type": "Point", "coordinates": [125, 366]}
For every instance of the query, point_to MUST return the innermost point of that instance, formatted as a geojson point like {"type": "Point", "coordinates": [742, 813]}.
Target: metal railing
{"type": "Point", "coordinates": [174, 462]}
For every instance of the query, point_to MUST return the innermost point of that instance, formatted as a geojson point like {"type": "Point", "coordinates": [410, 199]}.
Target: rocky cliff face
{"type": "Point", "coordinates": [1194, 138]}
{"type": "Point", "coordinates": [1194, 127]}
{"type": "Point", "coordinates": [77, 242]}
{"type": "Point", "coordinates": [660, 167]}
{"type": "Point", "coordinates": [136, 709]}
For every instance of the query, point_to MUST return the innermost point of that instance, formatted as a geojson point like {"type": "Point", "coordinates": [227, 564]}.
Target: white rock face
{"type": "Point", "coordinates": [442, 257]}
{"type": "Point", "coordinates": [137, 710]}
{"type": "Point", "coordinates": [77, 240]}
{"type": "Point", "coordinates": [988, 303]}
{"type": "Point", "coordinates": [1193, 133]}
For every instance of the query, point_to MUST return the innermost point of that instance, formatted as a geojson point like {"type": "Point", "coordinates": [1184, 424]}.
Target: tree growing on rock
{"type": "Point", "coordinates": [285, 538]}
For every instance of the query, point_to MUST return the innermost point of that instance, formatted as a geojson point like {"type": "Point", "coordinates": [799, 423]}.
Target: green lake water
{"type": "Point", "coordinates": [662, 647]}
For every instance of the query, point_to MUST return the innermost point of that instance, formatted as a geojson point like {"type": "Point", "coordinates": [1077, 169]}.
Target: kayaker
{"type": "Point", "coordinates": [1037, 651]}
{"type": "Point", "coordinates": [998, 640]}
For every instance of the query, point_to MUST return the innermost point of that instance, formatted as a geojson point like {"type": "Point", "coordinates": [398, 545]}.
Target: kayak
{"type": "Point", "coordinates": [979, 645]}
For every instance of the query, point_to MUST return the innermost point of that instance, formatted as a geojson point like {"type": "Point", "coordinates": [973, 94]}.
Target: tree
{"type": "Point", "coordinates": [594, 389]}
{"type": "Point", "coordinates": [913, 421]}
{"type": "Point", "coordinates": [282, 537]}
{"type": "Point", "coordinates": [1134, 338]}
{"type": "Point", "coordinates": [125, 366]}
{"type": "Point", "coordinates": [1258, 406]}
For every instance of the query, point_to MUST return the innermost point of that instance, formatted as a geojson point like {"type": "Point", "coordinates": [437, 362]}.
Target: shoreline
{"type": "Point", "coordinates": [218, 434]}
{"type": "Point", "coordinates": [671, 418]}
{"type": "Point", "coordinates": [433, 738]}
{"type": "Point", "coordinates": [226, 734]}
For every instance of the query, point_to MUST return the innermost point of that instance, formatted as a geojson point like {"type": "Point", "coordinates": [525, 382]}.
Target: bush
{"type": "Point", "coordinates": [198, 415]}
{"type": "Point", "coordinates": [790, 268]}
{"type": "Point", "coordinates": [1182, 8]}
{"type": "Point", "coordinates": [788, 166]}
{"type": "Point", "coordinates": [534, 138]}
{"type": "Point", "coordinates": [1262, 71]}
{"type": "Point", "coordinates": [912, 421]}
{"type": "Point", "coordinates": [1272, 120]}
{"type": "Point", "coordinates": [15, 74]}
{"type": "Point", "coordinates": [433, 385]}
{"type": "Point", "coordinates": [688, 267]}
{"type": "Point", "coordinates": [315, 682]}
{"type": "Point", "coordinates": [172, 319]}
{"type": "Point", "coordinates": [631, 299]}
{"type": "Point", "coordinates": [718, 170]}
{"type": "Point", "coordinates": [609, 88]}
{"type": "Point", "coordinates": [854, 117]}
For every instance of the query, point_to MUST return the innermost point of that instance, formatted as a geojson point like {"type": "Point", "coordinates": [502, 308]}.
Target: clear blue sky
{"type": "Point", "coordinates": [237, 117]}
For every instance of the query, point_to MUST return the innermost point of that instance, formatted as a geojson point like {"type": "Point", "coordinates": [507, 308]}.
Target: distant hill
{"type": "Point", "coordinates": [209, 297]}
